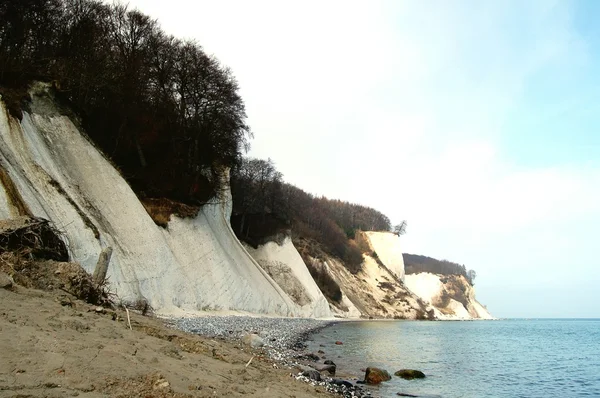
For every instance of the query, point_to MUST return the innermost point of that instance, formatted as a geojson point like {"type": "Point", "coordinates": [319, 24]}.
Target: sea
{"type": "Point", "coordinates": [471, 359]}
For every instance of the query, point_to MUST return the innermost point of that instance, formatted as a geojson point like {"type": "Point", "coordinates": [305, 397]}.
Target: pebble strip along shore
{"type": "Point", "coordinates": [283, 340]}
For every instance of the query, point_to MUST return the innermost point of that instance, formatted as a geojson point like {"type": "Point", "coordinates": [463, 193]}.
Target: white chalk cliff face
{"type": "Point", "coordinates": [374, 292]}
{"type": "Point", "coordinates": [283, 263]}
{"type": "Point", "coordinates": [388, 249]}
{"type": "Point", "coordinates": [377, 289]}
{"type": "Point", "coordinates": [50, 170]}
{"type": "Point", "coordinates": [451, 296]}
{"type": "Point", "coordinates": [382, 290]}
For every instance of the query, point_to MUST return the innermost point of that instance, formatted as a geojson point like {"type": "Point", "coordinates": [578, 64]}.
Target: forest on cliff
{"type": "Point", "coordinates": [264, 205]}
{"type": "Point", "coordinates": [167, 114]}
{"type": "Point", "coordinates": [415, 263]}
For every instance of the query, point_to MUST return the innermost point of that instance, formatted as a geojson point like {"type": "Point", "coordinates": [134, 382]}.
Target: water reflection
{"type": "Point", "coordinates": [472, 359]}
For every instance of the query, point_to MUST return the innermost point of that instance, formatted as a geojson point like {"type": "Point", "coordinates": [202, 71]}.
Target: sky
{"type": "Point", "coordinates": [476, 121]}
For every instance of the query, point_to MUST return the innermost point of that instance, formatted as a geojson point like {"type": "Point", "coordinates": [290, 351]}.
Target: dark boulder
{"type": "Point", "coordinates": [410, 374]}
{"type": "Point", "coordinates": [309, 357]}
{"type": "Point", "coordinates": [312, 375]}
{"type": "Point", "coordinates": [342, 383]}
{"type": "Point", "coordinates": [329, 368]}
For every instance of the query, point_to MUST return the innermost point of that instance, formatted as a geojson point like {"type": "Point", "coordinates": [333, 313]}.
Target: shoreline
{"type": "Point", "coordinates": [56, 345]}
{"type": "Point", "coordinates": [283, 340]}
{"type": "Point", "coordinates": [280, 335]}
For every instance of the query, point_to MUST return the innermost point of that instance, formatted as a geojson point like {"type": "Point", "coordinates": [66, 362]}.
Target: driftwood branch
{"type": "Point", "coordinates": [128, 319]}
{"type": "Point", "coordinates": [33, 237]}
{"type": "Point", "coordinates": [99, 276]}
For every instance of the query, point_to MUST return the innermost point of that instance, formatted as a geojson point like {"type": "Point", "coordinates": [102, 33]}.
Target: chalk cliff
{"type": "Point", "coordinates": [49, 169]}
{"type": "Point", "coordinates": [386, 247]}
{"type": "Point", "coordinates": [283, 263]}
{"type": "Point", "coordinates": [376, 290]}
{"type": "Point", "coordinates": [451, 296]}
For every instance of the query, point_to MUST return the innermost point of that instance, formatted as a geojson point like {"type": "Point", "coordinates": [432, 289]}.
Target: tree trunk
{"type": "Point", "coordinates": [101, 269]}
{"type": "Point", "coordinates": [242, 223]}
{"type": "Point", "coordinates": [139, 151]}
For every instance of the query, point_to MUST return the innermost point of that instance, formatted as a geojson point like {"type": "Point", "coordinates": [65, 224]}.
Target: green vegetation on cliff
{"type": "Point", "coordinates": [414, 264]}
{"type": "Point", "coordinates": [164, 111]}
{"type": "Point", "coordinates": [263, 205]}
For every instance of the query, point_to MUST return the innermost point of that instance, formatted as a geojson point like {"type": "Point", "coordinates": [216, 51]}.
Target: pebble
{"type": "Point", "coordinates": [277, 333]}
{"type": "Point", "coordinates": [282, 337]}
{"type": "Point", "coordinates": [336, 386]}
{"type": "Point", "coordinates": [253, 340]}
{"type": "Point", "coordinates": [161, 383]}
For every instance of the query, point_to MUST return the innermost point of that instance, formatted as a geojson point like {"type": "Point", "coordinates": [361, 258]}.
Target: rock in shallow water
{"type": "Point", "coordinates": [410, 374]}
{"type": "Point", "coordinates": [329, 368]}
{"type": "Point", "coordinates": [308, 357]}
{"type": "Point", "coordinates": [376, 375]}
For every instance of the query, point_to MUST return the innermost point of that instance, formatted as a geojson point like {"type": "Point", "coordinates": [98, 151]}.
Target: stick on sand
{"type": "Point", "coordinates": [128, 319]}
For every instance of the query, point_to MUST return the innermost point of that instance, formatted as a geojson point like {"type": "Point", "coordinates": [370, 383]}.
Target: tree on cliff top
{"type": "Point", "coordinates": [168, 114]}
{"type": "Point", "coordinates": [471, 275]}
{"type": "Point", "coordinates": [400, 229]}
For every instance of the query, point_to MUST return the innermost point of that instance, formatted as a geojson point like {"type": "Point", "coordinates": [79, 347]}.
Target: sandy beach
{"type": "Point", "coordinates": [52, 345]}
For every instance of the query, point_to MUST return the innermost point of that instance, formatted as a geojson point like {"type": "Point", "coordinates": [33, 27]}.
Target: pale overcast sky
{"type": "Point", "coordinates": [476, 121]}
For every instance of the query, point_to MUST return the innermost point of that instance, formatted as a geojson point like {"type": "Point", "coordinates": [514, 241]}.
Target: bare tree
{"type": "Point", "coordinates": [400, 229]}
{"type": "Point", "coordinates": [471, 275]}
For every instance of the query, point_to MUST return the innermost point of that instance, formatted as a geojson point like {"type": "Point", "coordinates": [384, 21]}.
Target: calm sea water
{"type": "Point", "coordinates": [506, 358]}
